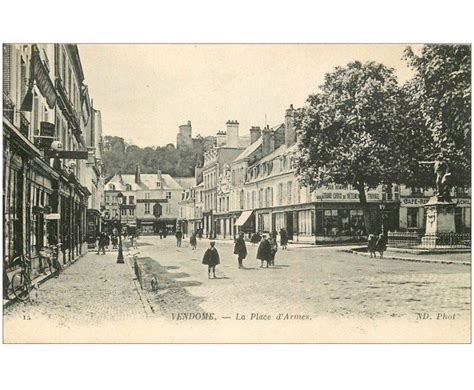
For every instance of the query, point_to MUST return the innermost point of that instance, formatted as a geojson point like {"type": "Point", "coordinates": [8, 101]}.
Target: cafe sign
{"type": "Point", "coordinates": [413, 202]}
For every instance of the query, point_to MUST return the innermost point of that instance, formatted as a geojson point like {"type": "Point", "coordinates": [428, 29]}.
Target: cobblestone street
{"type": "Point", "coordinates": [311, 282]}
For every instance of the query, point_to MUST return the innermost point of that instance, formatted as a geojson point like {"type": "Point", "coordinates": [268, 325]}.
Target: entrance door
{"type": "Point", "coordinates": [289, 225]}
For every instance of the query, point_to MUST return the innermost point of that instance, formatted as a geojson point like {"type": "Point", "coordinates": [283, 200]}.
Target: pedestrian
{"type": "Point", "coordinates": [101, 243]}
{"type": "Point", "coordinates": [179, 237]}
{"type": "Point", "coordinates": [274, 248]}
{"type": "Point", "coordinates": [381, 245]}
{"type": "Point", "coordinates": [371, 245]}
{"type": "Point", "coordinates": [264, 251]}
{"type": "Point", "coordinates": [193, 241]}
{"type": "Point", "coordinates": [114, 241]}
{"type": "Point", "coordinates": [164, 232]}
{"type": "Point", "coordinates": [256, 238]}
{"type": "Point", "coordinates": [132, 240]}
{"type": "Point", "coordinates": [161, 233]}
{"type": "Point", "coordinates": [283, 238]}
{"type": "Point", "coordinates": [211, 259]}
{"type": "Point", "coordinates": [106, 241]}
{"type": "Point", "coordinates": [240, 249]}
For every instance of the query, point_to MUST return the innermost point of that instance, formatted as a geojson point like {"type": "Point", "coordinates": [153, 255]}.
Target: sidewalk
{"type": "Point", "coordinates": [442, 258]}
{"type": "Point", "coordinates": [95, 287]}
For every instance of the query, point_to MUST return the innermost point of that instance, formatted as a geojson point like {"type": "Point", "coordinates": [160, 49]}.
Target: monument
{"type": "Point", "coordinates": [440, 209]}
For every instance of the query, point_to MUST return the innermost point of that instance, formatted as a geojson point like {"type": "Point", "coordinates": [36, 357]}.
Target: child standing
{"type": "Point", "coordinates": [211, 259]}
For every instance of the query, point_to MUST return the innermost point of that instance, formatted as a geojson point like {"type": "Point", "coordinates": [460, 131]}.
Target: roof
{"type": "Point", "coordinates": [186, 182]}
{"type": "Point", "coordinates": [148, 181]}
{"type": "Point", "coordinates": [249, 150]}
{"type": "Point", "coordinates": [277, 152]}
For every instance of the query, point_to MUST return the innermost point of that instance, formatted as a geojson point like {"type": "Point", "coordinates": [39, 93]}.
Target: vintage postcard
{"type": "Point", "coordinates": [236, 193]}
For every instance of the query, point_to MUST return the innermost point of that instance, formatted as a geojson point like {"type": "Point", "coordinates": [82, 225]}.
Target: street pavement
{"type": "Point", "coordinates": [314, 281]}
{"type": "Point", "coordinates": [311, 282]}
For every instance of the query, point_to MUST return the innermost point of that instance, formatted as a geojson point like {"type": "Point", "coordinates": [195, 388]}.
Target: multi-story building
{"type": "Point", "coordinates": [215, 169]}
{"type": "Point", "coordinates": [44, 107]}
{"type": "Point", "coordinates": [150, 202]}
{"type": "Point", "coordinates": [266, 196]}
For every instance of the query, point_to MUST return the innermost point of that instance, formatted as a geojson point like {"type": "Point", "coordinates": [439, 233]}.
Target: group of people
{"type": "Point", "coordinates": [104, 240]}
{"type": "Point", "coordinates": [266, 252]}
{"type": "Point", "coordinates": [376, 243]}
{"type": "Point", "coordinates": [257, 238]}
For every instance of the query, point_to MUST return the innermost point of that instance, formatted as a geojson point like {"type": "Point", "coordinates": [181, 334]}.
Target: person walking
{"type": "Point", "coordinates": [371, 245]}
{"type": "Point", "coordinates": [106, 241]}
{"type": "Point", "coordinates": [264, 251]}
{"type": "Point", "coordinates": [179, 237]}
{"type": "Point", "coordinates": [283, 238]}
{"type": "Point", "coordinates": [193, 241]}
{"type": "Point", "coordinates": [114, 241]}
{"type": "Point", "coordinates": [101, 243]}
{"type": "Point", "coordinates": [381, 245]}
{"type": "Point", "coordinates": [211, 259]}
{"type": "Point", "coordinates": [273, 248]}
{"type": "Point", "coordinates": [240, 249]}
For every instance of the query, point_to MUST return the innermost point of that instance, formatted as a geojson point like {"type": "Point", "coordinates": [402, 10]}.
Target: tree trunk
{"type": "Point", "coordinates": [365, 208]}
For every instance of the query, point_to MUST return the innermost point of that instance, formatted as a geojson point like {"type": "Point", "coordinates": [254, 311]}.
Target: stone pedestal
{"type": "Point", "coordinates": [439, 220]}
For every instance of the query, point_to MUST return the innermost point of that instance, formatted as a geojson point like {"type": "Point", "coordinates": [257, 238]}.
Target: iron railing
{"type": "Point", "coordinates": [417, 240]}
{"type": "Point", "coordinates": [24, 125]}
{"type": "Point", "coordinates": [8, 108]}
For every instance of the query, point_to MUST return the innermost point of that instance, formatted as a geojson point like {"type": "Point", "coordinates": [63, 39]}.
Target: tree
{"type": "Point", "coordinates": [351, 132]}
{"type": "Point", "coordinates": [442, 91]}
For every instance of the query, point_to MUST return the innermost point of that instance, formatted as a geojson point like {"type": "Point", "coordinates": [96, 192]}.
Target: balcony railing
{"type": "Point", "coordinates": [8, 108]}
{"type": "Point", "coordinates": [24, 125]}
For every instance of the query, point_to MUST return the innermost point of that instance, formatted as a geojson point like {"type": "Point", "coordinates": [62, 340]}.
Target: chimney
{"type": "Point", "coordinates": [159, 178]}
{"type": "Point", "coordinates": [268, 141]}
{"type": "Point", "coordinates": [232, 128]}
{"type": "Point", "coordinates": [221, 138]}
{"type": "Point", "coordinates": [255, 134]}
{"type": "Point", "coordinates": [198, 173]}
{"type": "Point", "coordinates": [290, 132]}
{"type": "Point", "coordinates": [137, 174]}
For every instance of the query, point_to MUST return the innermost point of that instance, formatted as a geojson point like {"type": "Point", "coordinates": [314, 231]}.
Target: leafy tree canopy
{"type": "Point", "coordinates": [351, 132]}
{"type": "Point", "coordinates": [121, 157]}
{"type": "Point", "coordinates": [441, 91]}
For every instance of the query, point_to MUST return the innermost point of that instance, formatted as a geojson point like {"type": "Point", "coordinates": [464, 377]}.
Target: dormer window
{"type": "Point", "coordinates": [111, 187]}
{"type": "Point", "coordinates": [128, 187]}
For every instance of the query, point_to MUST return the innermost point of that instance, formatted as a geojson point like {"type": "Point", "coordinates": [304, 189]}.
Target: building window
{"type": "Point", "coordinates": [289, 192]}
{"type": "Point", "coordinates": [111, 187]}
{"type": "Point", "coordinates": [131, 200]}
{"type": "Point", "coordinates": [147, 195]}
{"type": "Point", "coordinates": [260, 198]}
{"type": "Point", "coordinates": [147, 208]}
{"type": "Point", "coordinates": [132, 212]}
{"type": "Point", "coordinates": [168, 195]}
{"type": "Point", "coordinates": [416, 191]}
{"type": "Point", "coordinates": [123, 212]}
{"type": "Point", "coordinates": [280, 194]}
{"type": "Point", "coordinates": [128, 187]}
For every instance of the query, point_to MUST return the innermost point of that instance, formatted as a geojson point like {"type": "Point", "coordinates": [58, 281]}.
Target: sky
{"type": "Point", "coordinates": [146, 91]}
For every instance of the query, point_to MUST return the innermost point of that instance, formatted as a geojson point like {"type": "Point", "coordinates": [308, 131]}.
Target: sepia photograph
{"type": "Point", "coordinates": [236, 193]}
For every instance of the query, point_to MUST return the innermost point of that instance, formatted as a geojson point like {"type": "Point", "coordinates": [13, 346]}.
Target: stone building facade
{"type": "Point", "coordinates": [46, 113]}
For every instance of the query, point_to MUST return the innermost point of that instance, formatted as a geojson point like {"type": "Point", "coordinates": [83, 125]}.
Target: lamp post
{"type": "Point", "coordinates": [120, 252]}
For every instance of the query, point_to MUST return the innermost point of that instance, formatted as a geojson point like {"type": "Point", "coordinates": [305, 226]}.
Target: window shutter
{"type": "Point", "coordinates": [7, 58]}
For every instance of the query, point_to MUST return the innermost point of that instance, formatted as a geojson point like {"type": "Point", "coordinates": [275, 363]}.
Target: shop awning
{"type": "Point", "coordinates": [243, 218]}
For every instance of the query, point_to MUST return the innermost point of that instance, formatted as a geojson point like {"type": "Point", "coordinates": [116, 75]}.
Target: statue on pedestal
{"type": "Point", "coordinates": [443, 181]}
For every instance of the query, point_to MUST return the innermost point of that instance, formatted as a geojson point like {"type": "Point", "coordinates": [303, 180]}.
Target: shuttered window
{"type": "Point", "coordinates": [7, 58]}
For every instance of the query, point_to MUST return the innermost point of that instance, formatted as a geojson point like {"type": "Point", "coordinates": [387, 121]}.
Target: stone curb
{"type": "Point", "coordinates": [391, 257]}
{"type": "Point", "coordinates": [147, 306]}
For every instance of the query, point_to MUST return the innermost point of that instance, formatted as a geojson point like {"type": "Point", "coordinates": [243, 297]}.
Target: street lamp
{"type": "Point", "coordinates": [120, 252]}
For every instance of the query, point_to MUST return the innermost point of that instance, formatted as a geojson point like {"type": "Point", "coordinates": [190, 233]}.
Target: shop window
{"type": "Point", "coordinates": [305, 222]}
{"type": "Point", "coordinates": [357, 223]}
{"type": "Point", "coordinates": [412, 217]}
